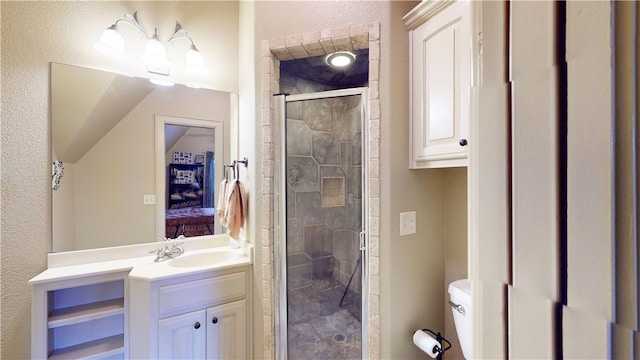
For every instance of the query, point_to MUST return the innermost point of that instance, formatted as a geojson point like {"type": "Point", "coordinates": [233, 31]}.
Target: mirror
{"type": "Point", "coordinates": [116, 185]}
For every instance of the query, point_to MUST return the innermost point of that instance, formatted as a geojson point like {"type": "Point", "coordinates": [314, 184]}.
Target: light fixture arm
{"type": "Point", "coordinates": [133, 21]}
{"type": "Point", "coordinates": [180, 33]}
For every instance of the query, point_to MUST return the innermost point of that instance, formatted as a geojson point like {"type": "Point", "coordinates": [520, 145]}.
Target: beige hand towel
{"type": "Point", "coordinates": [236, 208]}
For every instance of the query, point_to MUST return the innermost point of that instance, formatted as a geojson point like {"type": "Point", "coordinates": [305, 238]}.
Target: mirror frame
{"type": "Point", "coordinates": [161, 168]}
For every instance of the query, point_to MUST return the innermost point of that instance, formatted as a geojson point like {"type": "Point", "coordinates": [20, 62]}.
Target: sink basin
{"type": "Point", "coordinates": [205, 258]}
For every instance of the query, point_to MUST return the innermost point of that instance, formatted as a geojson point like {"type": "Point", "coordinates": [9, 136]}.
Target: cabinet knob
{"type": "Point", "coordinates": [196, 325]}
{"type": "Point", "coordinates": [214, 320]}
{"type": "Point", "coordinates": [463, 142]}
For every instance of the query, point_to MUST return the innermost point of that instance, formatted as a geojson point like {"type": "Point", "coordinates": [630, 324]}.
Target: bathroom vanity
{"type": "Point", "coordinates": [196, 314]}
{"type": "Point", "coordinates": [87, 305]}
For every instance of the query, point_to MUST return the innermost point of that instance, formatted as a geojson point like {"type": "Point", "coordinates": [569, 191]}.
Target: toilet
{"type": "Point", "coordinates": [460, 301]}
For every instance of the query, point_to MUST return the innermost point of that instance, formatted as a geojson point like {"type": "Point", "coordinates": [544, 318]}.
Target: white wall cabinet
{"type": "Point", "coordinates": [440, 43]}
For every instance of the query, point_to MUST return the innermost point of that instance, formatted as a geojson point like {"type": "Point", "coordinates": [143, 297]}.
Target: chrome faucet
{"type": "Point", "coordinates": [167, 252]}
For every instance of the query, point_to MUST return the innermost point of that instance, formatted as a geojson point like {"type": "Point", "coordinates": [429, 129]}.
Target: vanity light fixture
{"type": "Point", "coordinates": [340, 59]}
{"type": "Point", "coordinates": [155, 54]}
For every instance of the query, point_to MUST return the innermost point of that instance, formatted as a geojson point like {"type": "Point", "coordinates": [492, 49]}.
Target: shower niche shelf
{"type": "Point", "coordinates": [440, 76]}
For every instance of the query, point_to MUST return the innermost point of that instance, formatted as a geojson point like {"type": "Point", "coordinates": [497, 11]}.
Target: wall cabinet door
{"type": "Point", "coordinates": [440, 88]}
{"type": "Point", "coordinates": [226, 331]}
{"type": "Point", "coordinates": [182, 336]}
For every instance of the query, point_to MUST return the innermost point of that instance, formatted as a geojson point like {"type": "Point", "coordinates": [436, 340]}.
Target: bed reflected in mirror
{"type": "Point", "coordinates": [192, 176]}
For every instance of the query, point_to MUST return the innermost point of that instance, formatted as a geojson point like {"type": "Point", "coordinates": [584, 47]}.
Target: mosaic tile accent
{"type": "Point", "coordinates": [294, 174]}
{"type": "Point", "coordinates": [303, 173]}
{"type": "Point", "coordinates": [354, 37]}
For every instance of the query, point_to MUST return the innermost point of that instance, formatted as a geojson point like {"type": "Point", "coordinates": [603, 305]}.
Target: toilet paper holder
{"type": "Point", "coordinates": [440, 339]}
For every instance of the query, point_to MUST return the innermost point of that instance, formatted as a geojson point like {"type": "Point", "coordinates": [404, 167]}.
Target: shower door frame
{"type": "Point", "coordinates": [280, 213]}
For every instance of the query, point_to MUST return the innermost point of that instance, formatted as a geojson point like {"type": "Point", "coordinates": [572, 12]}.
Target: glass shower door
{"type": "Point", "coordinates": [322, 233]}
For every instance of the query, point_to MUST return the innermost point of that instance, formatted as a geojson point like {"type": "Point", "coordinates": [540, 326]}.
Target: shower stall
{"type": "Point", "coordinates": [320, 225]}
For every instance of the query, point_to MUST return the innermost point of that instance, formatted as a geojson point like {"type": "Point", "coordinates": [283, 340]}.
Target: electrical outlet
{"type": "Point", "coordinates": [149, 200]}
{"type": "Point", "coordinates": [407, 223]}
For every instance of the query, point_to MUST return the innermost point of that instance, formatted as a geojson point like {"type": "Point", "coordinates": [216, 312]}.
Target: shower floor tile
{"type": "Point", "coordinates": [319, 328]}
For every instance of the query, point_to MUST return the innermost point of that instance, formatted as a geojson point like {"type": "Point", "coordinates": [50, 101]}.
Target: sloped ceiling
{"type": "Point", "coordinates": [86, 104]}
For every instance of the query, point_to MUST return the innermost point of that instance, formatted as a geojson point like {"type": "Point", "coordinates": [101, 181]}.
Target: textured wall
{"type": "Point", "coordinates": [25, 223]}
{"type": "Point", "coordinates": [33, 35]}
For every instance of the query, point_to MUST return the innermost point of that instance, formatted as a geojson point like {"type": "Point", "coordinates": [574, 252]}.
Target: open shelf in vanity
{"type": "Point", "coordinates": [87, 312]}
{"type": "Point", "coordinates": [83, 318]}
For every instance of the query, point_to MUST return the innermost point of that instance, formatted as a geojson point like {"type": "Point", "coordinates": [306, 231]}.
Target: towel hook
{"type": "Point", "coordinates": [244, 161]}
{"type": "Point", "coordinates": [226, 173]}
{"type": "Point", "coordinates": [236, 168]}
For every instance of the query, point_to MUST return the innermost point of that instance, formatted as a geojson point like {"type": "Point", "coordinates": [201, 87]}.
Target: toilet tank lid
{"type": "Point", "coordinates": [461, 288]}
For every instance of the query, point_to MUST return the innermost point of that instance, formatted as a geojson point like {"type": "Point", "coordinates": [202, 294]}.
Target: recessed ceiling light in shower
{"type": "Point", "coordinates": [340, 58]}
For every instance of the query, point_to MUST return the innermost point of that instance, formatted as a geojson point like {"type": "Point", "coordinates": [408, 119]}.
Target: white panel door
{"type": "Point", "coordinates": [226, 331]}
{"type": "Point", "coordinates": [182, 336]}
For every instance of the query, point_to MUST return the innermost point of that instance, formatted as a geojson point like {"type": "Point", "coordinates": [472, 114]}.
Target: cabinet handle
{"type": "Point", "coordinates": [214, 320]}
{"type": "Point", "coordinates": [196, 325]}
{"type": "Point", "coordinates": [463, 142]}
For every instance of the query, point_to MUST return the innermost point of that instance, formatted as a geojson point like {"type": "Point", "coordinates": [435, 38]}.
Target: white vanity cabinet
{"type": "Point", "coordinates": [440, 77]}
{"type": "Point", "coordinates": [215, 333]}
{"type": "Point", "coordinates": [119, 303]}
{"type": "Point", "coordinates": [197, 316]}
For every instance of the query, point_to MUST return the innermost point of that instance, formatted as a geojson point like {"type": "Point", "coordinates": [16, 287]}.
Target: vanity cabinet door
{"type": "Point", "coordinates": [226, 331]}
{"type": "Point", "coordinates": [440, 88]}
{"type": "Point", "coordinates": [182, 336]}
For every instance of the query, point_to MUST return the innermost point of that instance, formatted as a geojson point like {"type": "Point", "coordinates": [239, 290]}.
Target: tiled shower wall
{"type": "Point", "coordinates": [324, 179]}
{"type": "Point", "coordinates": [361, 36]}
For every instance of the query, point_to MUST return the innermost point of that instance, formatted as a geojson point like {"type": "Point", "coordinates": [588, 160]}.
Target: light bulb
{"type": "Point", "coordinates": [155, 56]}
{"type": "Point", "coordinates": [111, 42]}
{"type": "Point", "coordinates": [195, 62]}
{"type": "Point", "coordinates": [340, 58]}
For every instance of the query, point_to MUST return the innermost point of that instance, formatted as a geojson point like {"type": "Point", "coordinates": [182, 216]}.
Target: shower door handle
{"type": "Point", "coordinates": [363, 245]}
